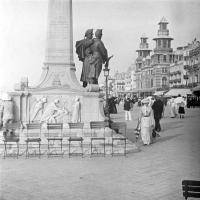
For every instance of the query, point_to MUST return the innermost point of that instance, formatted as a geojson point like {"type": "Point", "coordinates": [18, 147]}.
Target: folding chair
{"type": "Point", "coordinates": [75, 138]}
{"type": "Point", "coordinates": [10, 138]}
{"type": "Point", "coordinates": [97, 125]}
{"type": "Point", "coordinates": [118, 126]}
{"type": "Point", "coordinates": [33, 134]}
{"type": "Point", "coordinates": [55, 134]}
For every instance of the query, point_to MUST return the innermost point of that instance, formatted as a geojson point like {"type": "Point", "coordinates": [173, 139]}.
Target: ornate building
{"type": "Point", "coordinates": [143, 65]}
{"type": "Point", "coordinates": [119, 83]}
{"type": "Point", "coordinates": [177, 76]}
{"type": "Point", "coordinates": [130, 80]}
{"type": "Point", "coordinates": [185, 71]}
{"type": "Point", "coordinates": [192, 64]}
{"type": "Point", "coordinates": [152, 72]}
{"type": "Point", "coordinates": [162, 57]}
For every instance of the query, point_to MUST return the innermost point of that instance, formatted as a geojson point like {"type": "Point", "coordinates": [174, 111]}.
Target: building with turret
{"type": "Point", "coordinates": [142, 64]}
{"type": "Point", "coordinates": [162, 57]}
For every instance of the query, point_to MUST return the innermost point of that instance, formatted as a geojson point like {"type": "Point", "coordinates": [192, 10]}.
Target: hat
{"type": "Point", "coordinates": [98, 32]}
{"type": "Point", "coordinates": [144, 101]}
{"type": "Point", "coordinates": [88, 32]}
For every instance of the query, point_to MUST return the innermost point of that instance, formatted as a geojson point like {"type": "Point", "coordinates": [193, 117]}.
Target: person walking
{"type": "Point", "coordinates": [181, 106]}
{"type": "Point", "coordinates": [127, 108]}
{"type": "Point", "coordinates": [172, 105]}
{"type": "Point", "coordinates": [158, 112]}
{"type": "Point", "coordinates": [146, 122]}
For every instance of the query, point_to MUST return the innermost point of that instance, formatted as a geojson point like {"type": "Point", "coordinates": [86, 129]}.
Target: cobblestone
{"type": "Point", "coordinates": [154, 173]}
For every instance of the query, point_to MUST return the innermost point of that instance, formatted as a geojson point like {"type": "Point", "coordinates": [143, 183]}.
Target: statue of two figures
{"type": "Point", "coordinates": [55, 111]}
{"type": "Point", "coordinates": [92, 52]}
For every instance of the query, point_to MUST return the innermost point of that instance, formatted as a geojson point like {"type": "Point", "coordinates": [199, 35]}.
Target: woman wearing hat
{"type": "Point", "coordinates": [146, 120]}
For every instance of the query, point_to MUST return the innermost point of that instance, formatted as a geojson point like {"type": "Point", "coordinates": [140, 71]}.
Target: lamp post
{"type": "Point", "coordinates": [106, 71]}
{"type": "Point", "coordinates": [106, 74]}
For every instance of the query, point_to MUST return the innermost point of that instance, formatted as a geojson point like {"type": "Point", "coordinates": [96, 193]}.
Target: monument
{"type": "Point", "coordinates": [59, 97]}
{"type": "Point", "coordinates": [58, 87]}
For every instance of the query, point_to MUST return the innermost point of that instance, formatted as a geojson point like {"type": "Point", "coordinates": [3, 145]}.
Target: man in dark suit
{"type": "Point", "coordinates": [158, 111]}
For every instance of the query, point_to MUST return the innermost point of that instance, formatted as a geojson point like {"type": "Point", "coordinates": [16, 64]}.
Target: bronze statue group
{"type": "Point", "coordinates": [92, 52]}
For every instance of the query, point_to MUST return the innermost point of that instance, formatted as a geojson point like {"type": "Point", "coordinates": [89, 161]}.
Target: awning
{"type": "Point", "coordinates": [196, 90]}
{"type": "Point", "coordinates": [176, 92]}
{"type": "Point", "coordinates": [159, 93]}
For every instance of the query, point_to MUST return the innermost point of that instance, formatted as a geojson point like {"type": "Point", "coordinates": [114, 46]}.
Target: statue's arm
{"type": "Point", "coordinates": [103, 51]}
{"type": "Point", "coordinates": [88, 43]}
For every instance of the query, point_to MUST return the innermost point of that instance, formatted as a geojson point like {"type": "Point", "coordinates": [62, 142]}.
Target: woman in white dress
{"type": "Point", "coordinates": [146, 122]}
{"type": "Point", "coordinates": [173, 108]}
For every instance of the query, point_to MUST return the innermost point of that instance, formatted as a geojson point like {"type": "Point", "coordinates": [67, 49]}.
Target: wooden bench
{"type": "Point", "coordinates": [191, 188]}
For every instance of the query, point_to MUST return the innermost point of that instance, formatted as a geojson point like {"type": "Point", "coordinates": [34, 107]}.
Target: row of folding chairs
{"type": "Point", "coordinates": [55, 138]}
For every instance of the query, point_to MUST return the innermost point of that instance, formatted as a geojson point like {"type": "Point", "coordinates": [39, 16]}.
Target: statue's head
{"type": "Point", "coordinates": [44, 100]}
{"type": "Point", "coordinates": [89, 33]}
{"type": "Point", "coordinates": [98, 33]}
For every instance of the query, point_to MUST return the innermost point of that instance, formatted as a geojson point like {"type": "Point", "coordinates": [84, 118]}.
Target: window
{"type": "Point", "coordinates": [159, 43]}
{"type": "Point", "coordinates": [164, 43]}
{"type": "Point", "coordinates": [151, 82]}
{"type": "Point", "coordinates": [164, 81]}
{"type": "Point", "coordinates": [158, 58]}
{"type": "Point", "coordinates": [164, 58]}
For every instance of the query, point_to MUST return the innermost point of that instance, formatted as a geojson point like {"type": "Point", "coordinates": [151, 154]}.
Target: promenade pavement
{"type": "Point", "coordinates": [153, 173]}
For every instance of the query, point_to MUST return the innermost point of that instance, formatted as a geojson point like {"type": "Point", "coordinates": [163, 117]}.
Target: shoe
{"type": "Point", "coordinates": [157, 135]}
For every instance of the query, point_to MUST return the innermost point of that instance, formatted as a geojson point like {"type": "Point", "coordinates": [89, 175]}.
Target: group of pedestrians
{"type": "Point", "coordinates": [149, 117]}
{"type": "Point", "coordinates": [177, 106]}
{"type": "Point", "coordinates": [151, 111]}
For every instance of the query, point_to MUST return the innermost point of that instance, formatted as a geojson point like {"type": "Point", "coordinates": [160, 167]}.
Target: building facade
{"type": "Point", "coordinates": [142, 64]}
{"type": "Point", "coordinates": [192, 64]}
{"type": "Point", "coordinates": [152, 71]}
{"type": "Point", "coordinates": [177, 75]}
{"type": "Point", "coordinates": [162, 57]}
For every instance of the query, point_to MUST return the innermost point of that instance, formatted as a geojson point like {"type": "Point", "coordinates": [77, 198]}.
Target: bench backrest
{"type": "Point", "coordinates": [55, 129]}
{"type": "Point", "coordinates": [78, 125]}
{"type": "Point", "coordinates": [97, 124]}
{"type": "Point", "coordinates": [33, 130]}
{"type": "Point", "coordinates": [191, 188]}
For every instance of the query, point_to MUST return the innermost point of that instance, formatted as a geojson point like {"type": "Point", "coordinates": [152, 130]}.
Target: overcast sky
{"type": "Point", "coordinates": [23, 26]}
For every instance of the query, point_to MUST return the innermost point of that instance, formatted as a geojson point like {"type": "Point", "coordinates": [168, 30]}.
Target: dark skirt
{"type": "Point", "coordinates": [181, 110]}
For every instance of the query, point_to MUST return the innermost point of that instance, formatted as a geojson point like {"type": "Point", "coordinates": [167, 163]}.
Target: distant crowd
{"type": "Point", "coordinates": [152, 109]}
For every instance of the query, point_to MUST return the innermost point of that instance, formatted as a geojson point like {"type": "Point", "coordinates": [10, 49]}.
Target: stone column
{"type": "Point", "coordinates": [59, 68]}
{"type": "Point", "coordinates": [59, 44]}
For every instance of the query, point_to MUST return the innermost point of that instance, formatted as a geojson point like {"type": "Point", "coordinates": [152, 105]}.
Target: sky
{"type": "Point", "coordinates": [23, 25]}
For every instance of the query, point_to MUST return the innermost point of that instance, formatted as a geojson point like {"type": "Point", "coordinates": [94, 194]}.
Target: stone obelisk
{"type": "Point", "coordinates": [59, 68]}
{"type": "Point", "coordinates": [58, 82]}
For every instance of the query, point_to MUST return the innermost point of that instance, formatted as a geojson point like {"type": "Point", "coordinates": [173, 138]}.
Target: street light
{"type": "Point", "coordinates": [106, 71]}
{"type": "Point", "coordinates": [106, 74]}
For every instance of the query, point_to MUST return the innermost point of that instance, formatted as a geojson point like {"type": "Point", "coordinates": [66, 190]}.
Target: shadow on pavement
{"type": "Point", "coordinates": [165, 138]}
